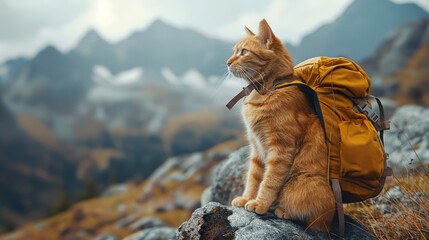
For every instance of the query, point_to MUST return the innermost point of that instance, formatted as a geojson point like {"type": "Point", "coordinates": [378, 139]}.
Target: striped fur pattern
{"type": "Point", "coordinates": [288, 163]}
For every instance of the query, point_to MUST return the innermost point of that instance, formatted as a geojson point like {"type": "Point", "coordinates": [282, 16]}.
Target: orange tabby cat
{"type": "Point", "coordinates": [288, 163]}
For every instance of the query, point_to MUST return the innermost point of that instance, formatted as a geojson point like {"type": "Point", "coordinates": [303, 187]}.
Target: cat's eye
{"type": "Point", "coordinates": [242, 52]}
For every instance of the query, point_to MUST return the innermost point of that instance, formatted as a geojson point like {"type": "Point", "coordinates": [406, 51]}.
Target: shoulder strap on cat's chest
{"type": "Point", "coordinates": [247, 90]}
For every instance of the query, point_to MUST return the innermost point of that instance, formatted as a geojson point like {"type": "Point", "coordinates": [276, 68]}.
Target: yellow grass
{"type": "Point", "coordinates": [38, 131]}
{"type": "Point", "coordinates": [408, 219]}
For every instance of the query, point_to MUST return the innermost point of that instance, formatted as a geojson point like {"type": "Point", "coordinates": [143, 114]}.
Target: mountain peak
{"type": "Point", "coordinates": [90, 41]}
{"type": "Point", "coordinates": [91, 34]}
{"type": "Point", "coordinates": [49, 51]}
{"type": "Point", "coordinates": [158, 26]}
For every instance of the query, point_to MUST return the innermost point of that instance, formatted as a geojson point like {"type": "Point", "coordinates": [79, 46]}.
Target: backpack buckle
{"type": "Point", "coordinates": [371, 113]}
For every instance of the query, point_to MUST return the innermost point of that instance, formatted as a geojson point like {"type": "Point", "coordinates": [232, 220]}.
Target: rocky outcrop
{"type": "Point", "coordinates": [229, 179]}
{"type": "Point", "coordinates": [407, 142]}
{"type": "Point", "coordinates": [217, 221]}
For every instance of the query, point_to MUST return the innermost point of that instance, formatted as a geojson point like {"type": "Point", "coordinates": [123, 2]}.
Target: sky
{"type": "Point", "coordinates": [26, 26]}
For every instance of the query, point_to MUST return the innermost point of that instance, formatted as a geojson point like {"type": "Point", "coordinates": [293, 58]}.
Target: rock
{"type": "Point", "coordinates": [389, 201]}
{"type": "Point", "coordinates": [157, 233]}
{"type": "Point", "coordinates": [181, 169]}
{"type": "Point", "coordinates": [229, 179]}
{"type": "Point", "coordinates": [106, 236]}
{"type": "Point", "coordinates": [216, 221]}
{"type": "Point", "coordinates": [407, 142]}
{"type": "Point", "coordinates": [125, 221]}
{"type": "Point", "coordinates": [395, 200]}
{"type": "Point", "coordinates": [182, 201]}
{"type": "Point", "coordinates": [116, 189]}
{"type": "Point", "coordinates": [145, 223]}
{"type": "Point", "coordinates": [206, 196]}
{"type": "Point", "coordinates": [394, 194]}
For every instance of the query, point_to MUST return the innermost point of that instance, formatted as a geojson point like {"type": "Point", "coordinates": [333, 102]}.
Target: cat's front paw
{"type": "Point", "coordinates": [257, 206]}
{"type": "Point", "coordinates": [281, 213]}
{"type": "Point", "coordinates": [239, 201]}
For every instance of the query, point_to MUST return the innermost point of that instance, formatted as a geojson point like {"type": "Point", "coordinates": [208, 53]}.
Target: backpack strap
{"type": "Point", "coordinates": [246, 91]}
{"type": "Point", "coordinates": [335, 183]}
{"type": "Point", "coordinates": [386, 172]}
{"type": "Point", "coordinates": [311, 96]}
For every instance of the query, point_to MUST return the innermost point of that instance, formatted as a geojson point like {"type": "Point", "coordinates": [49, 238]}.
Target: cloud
{"type": "Point", "coordinates": [24, 19]}
{"type": "Point", "coordinates": [115, 19]}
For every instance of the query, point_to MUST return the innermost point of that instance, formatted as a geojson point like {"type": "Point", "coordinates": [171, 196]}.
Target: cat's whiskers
{"type": "Point", "coordinates": [249, 79]}
{"type": "Point", "coordinates": [262, 85]}
{"type": "Point", "coordinates": [241, 71]}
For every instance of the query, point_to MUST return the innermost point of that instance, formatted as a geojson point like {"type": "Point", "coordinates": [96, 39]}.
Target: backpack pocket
{"type": "Point", "coordinates": [361, 152]}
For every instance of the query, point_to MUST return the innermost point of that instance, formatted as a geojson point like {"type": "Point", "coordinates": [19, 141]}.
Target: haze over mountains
{"type": "Point", "coordinates": [119, 109]}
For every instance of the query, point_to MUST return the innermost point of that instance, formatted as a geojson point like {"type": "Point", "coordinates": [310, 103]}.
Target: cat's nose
{"type": "Point", "coordinates": [229, 62]}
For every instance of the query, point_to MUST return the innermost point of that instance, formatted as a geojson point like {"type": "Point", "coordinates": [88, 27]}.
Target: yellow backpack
{"type": "Point", "coordinates": [351, 118]}
{"type": "Point", "coordinates": [339, 90]}
{"type": "Point", "coordinates": [353, 122]}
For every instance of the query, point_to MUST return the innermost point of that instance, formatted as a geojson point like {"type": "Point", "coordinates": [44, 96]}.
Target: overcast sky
{"type": "Point", "coordinates": [26, 26]}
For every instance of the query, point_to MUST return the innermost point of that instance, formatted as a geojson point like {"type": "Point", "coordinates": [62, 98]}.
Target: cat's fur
{"type": "Point", "coordinates": [288, 164]}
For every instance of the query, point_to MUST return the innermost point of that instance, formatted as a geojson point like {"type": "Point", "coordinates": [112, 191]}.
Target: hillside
{"type": "Point", "coordinates": [167, 198]}
{"type": "Point", "coordinates": [399, 66]}
{"type": "Point", "coordinates": [194, 192]}
{"type": "Point", "coordinates": [26, 166]}
{"type": "Point", "coordinates": [358, 31]}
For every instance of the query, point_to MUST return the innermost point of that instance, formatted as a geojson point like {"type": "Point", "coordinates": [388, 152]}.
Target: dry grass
{"type": "Point", "coordinates": [407, 218]}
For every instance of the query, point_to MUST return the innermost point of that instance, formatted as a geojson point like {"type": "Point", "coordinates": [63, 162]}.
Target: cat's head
{"type": "Point", "coordinates": [260, 58]}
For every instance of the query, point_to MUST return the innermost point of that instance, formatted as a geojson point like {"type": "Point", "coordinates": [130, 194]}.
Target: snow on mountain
{"type": "Point", "coordinates": [192, 78]}
{"type": "Point", "coordinates": [102, 75]}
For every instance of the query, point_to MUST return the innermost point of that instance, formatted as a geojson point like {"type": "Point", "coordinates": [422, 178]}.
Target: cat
{"type": "Point", "coordinates": [288, 168]}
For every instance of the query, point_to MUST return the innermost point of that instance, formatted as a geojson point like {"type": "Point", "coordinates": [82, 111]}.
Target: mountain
{"type": "Point", "coordinates": [27, 167]}
{"type": "Point", "coordinates": [162, 45]}
{"type": "Point", "coordinates": [10, 68]}
{"type": "Point", "coordinates": [358, 31]}
{"type": "Point", "coordinates": [51, 80]}
{"type": "Point", "coordinates": [95, 50]}
{"type": "Point", "coordinates": [105, 112]}
{"type": "Point", "coordinates": [400, 64]}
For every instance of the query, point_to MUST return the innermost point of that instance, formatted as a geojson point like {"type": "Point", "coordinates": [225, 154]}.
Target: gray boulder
{"type": "Point", "coordinates": [229, 179]}
{"type": "Point", "coordinates": [115, 190]}
{"type": "Point", "coordinates": [157, 233]}
{"type": "Point", "coordinates": [407, 142]}
{"type": "Point", "coordinates": [145, 223]}
{"type": "Point", "coordinates": [217, 221]}
{"type": "Point", "coordinates": [395, 200]}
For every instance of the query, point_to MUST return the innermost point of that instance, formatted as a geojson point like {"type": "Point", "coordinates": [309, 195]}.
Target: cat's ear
{"type": "Point", "coordinates": [249, 32]}
{"type": "Point", "coordinates": [266, 35]}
